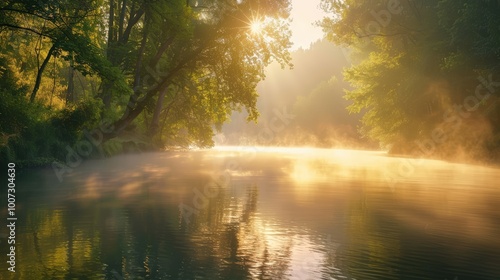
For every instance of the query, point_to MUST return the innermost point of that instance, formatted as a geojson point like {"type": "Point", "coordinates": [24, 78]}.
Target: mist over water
{"type": "Point", "coordinates": [145, 86]}
{"type": "Point", "coordinates": [238, 212]}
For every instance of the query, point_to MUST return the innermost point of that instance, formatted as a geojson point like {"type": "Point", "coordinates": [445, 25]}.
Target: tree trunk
{"type": "Point", "coordinates": [133, 111]}
{"type": "Point", "coordinates": [107, 86]}
{"type": "Point", "coordinates": [121, 19]}
{"type": "Point", "coordinates": [140, 58]}
{"type": "Point", "coordinates": [155, 123]}
{"type": "Point", "coordinates": [106, 94]}
{"type": "Point", "coordinates": [70, 92]}
{"type": "Point", "coordinates": [131, 23]}
{"type": "Point", "coordinates": [40, 72]}
{"type": "Point", "coordinates": [111, 24]}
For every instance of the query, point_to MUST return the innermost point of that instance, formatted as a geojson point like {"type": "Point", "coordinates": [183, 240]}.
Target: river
{"type": "Point", "coordinates": [258, 213]}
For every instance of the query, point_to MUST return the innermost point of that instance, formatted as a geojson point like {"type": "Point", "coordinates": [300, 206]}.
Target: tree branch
{"type": "Point", "coordinates": [133, 21]}
{"type": "Point", "coordinates": [40, 72]}
{"type": "Point", "coordinates": [11, 26]}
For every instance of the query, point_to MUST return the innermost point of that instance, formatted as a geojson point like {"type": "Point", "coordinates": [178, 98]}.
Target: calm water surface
{"type": "Point", "coordinates": [259, 213]}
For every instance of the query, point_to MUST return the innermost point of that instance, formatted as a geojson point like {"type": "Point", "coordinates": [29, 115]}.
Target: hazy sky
{"type": "Point", "coordinates": [304, 14]}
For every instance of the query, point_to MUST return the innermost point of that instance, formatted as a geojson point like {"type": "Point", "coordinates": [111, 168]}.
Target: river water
{"type": "Point", "coordinates": [258, 213]}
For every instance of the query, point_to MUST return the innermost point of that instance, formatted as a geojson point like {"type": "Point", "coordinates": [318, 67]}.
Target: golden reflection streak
{"type": "Point", "coordinates": [433, 187]}
{"type": "Point", "coordinates": [261, 241]}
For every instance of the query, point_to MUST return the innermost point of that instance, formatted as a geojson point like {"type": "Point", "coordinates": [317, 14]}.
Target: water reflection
{"type": "Point", "coordinates": [284, 214]}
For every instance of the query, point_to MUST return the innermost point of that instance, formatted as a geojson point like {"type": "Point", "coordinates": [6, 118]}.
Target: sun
{"type": "Point", "coordinates": [256, 26]}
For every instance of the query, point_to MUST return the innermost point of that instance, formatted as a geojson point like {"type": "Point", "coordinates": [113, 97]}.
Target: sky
{"type": "Point", "coordinates": [304, 13]}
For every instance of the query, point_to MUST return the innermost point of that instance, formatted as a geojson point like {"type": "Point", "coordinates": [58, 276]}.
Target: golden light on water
{"type": "Point", "coordinates": [309, 165]}
{"type": "Point", "coordinates": [283, 211]}
{"type": "Point", "coordinates": [309, 171]}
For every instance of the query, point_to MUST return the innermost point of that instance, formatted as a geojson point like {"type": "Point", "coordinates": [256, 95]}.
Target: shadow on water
{"type": "Point", "coordinates": [274, 214]}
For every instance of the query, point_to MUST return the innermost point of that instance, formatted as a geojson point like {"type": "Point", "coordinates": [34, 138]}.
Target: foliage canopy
{"type": "Point", "coordinates": [170, 71]}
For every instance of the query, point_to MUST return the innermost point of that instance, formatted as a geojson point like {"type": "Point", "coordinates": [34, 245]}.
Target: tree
{"type": "Point", "coordinates": [212, 51]}
{"type": "Point", "coordinates": [164, 67]}
{"type": "Point", "coordinates": [61, 22]}
{"type": "Point", "coordinates": [418, 60]}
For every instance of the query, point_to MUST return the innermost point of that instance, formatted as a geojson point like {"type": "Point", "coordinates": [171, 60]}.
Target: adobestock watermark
{"type": "Point", "coordinates": [222, 178]}
{"type": "Point", "coordinates": [452, 121]}
{"type": "Point", "coordinates": [471, 103]}
{"type": "Point", "coordinates": [82, 149]}
{"type": "Point", "coordinates": [277, 124]}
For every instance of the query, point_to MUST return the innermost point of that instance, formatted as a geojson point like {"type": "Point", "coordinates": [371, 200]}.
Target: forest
{"type": "Point", "coordinates": [93, 78]}
{"type": "Point", "coordinates": [427, 73]}
{"type": "Point", "coordinates": [221, 139]}
{"type": "Point", "coordinates": [127, 74]}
